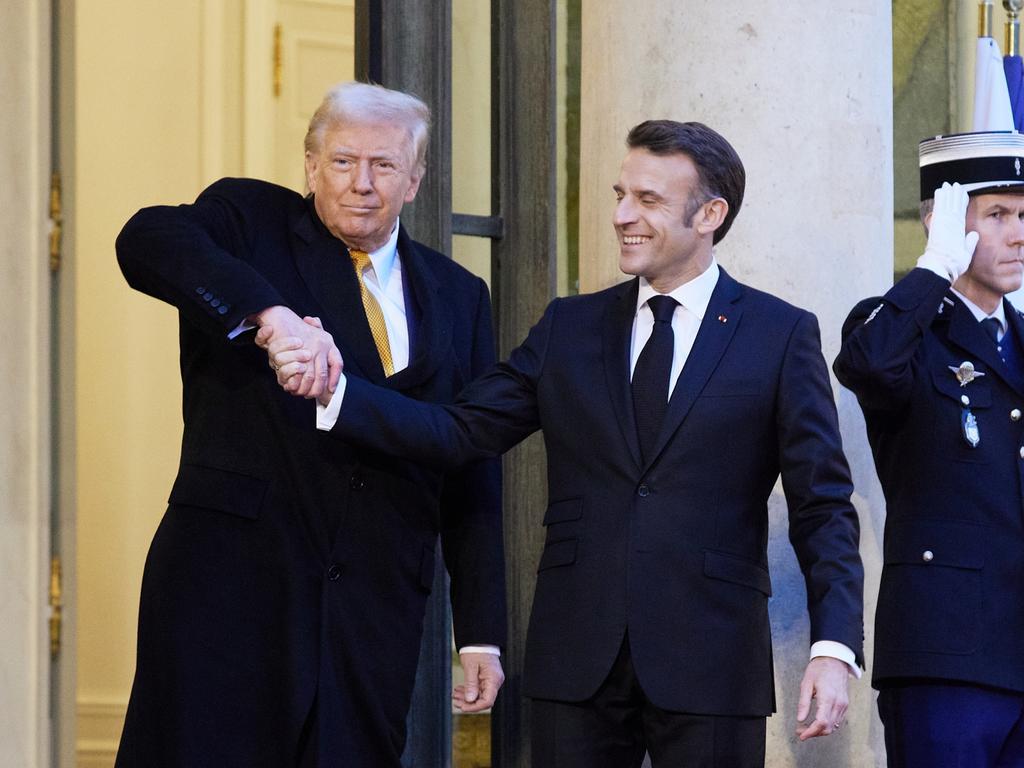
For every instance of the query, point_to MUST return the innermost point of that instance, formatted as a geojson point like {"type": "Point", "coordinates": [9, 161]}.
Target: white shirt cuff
{"type": "Point", "coordinates": [835, 650]}
{"type": "Point", "coordinates": [491, 649]}
{"type": "Point", "coordinates": [327, 415]}
{"type": "Point", "coordinates": [241, 328]}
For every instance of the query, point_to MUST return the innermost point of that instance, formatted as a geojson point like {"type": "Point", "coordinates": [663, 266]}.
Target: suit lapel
{"type": "Point", "coordinates": [966, 332]}
{"type": "Point", "coordinates": [431, 337]}
{"type": "Point", "coordinates": [330, 278]}
{"type": "Point", "coordinates": [328, 275]}
{"type": "Point", "coordinates": [617, 335]}
{"type": "Point", "coordinates": [713, 338]}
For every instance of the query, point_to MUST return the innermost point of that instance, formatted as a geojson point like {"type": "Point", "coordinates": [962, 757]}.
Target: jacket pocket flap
{"type": "Point", "coordinates": [978, 391]}
{"type": "Point", "coordinates": [738, 570]}
{"type": "Point", "coordinates": [558, 553]}
{"type": "Point", "coordinates": [936, 542]}
{"type": "Point", "coordinates": [218, 489]}
{"type": "Point", "coordinates": [564, 511]}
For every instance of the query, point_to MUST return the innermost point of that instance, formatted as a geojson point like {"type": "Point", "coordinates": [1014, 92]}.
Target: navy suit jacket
{"type": "Point", "coordinates": [672, 550]}
{"type": "Point", "coordinates": [290, 567]}
{"type": "Point", "coordinates": [951, 601]}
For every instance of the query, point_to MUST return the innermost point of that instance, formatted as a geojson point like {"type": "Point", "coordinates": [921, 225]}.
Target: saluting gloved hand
{"type": "Point", "coordinates": [949, 249]}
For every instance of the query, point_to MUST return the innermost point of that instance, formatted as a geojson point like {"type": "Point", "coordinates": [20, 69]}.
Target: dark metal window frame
{"type": "Point", "coordinates": [406, 44]}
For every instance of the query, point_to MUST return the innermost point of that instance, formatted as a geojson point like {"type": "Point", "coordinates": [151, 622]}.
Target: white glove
{"type": "Point", "coordinates": [949, 250]}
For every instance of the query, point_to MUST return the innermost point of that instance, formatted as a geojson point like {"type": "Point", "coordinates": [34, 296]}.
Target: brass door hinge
{"type": "Point", "coordinates": [56, 222]}
{"type": "Point", "coordinates": [55, 606]}
{"type": "Point", "coordinates": [278, 61]}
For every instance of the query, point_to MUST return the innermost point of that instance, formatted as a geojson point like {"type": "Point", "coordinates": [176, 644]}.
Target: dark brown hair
{"type": "Point", "coordinates": [719, 169]}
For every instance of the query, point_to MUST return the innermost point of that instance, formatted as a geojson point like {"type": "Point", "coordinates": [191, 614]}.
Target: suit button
{"type": "Point", "coordinates": [207, 296]}
{"type": "Point", "coordinates": [965, 399]}
{"type": "Point", "coordinates": [215, 303]}
{"type": "Point", "coordinates": [200, 290]}
{"type": "Point", "coordinates": [222, 309]}
{"type": "Point", "coordinates": [643, 491]}
{"type": "Point", "coordinates": [356, 483]}
{"type": "Point", "coordinates": [927, 556]}
{"type": "Point", "coordinates": [1022, 451]}
{"type": "Point", "coordinates": [1015, 414]}
{"type": "Point", "coordinates": [334, 572]}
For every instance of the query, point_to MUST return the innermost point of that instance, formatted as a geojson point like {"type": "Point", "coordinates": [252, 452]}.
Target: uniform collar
{"type": "Point", "coordinates": [980, 314]}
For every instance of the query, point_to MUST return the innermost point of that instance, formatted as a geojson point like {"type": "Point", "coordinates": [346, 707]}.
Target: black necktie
{"type": "Point", "coordinates": [991, 326]}
{"type": "Point", "coordinates": [651, 375]}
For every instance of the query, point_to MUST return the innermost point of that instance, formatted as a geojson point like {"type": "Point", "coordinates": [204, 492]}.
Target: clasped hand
{"type": "Point", "coordinates": [303, 355]}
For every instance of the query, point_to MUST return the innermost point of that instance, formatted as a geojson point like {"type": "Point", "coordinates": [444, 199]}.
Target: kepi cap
{"type": "Point", "coordinates": [986, 161]}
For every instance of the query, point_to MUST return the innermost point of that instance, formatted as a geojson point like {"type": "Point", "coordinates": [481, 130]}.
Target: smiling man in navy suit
{"type": "Point", "coordinates": [284, 592]}
{"type": "Point", "coordinates": [669, 404]}
{"type": "Point", "coordinates": [937, 364]}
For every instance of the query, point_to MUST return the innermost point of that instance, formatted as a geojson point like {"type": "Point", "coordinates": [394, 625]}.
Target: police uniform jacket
{"type": "Point", "coordinates": [951, 602]}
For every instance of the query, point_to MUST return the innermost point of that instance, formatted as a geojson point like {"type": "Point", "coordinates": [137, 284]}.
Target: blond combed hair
{"type": "Point", "coordinates": [354, 102]}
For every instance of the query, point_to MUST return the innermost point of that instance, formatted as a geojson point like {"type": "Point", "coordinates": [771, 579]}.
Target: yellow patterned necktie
{"type": "Point", "coordinates": [361, 260]}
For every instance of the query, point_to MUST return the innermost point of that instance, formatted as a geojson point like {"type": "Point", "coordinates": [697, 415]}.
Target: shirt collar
{"type": "Point", "coordinates": [980, 314]}
{"type": "Point", "coordinates": [383, 259]}
{"type": "Point", "coordinates": [695, 295]}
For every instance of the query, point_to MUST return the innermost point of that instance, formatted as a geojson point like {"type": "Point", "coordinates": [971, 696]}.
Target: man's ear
{"type": "Point", "coordinates": [711, 215]}
{"type": "Point", "coordinates": [414, 184]}
{"type": "Point", "coordinates": [311, 164]}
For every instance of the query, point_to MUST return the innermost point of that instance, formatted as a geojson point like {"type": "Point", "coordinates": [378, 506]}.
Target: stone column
{"type": "Point", "coordinates": [804, 93]}
{"type": "Point", "coordinates": [24, 383]}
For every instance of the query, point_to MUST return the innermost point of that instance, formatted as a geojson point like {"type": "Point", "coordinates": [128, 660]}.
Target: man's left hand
{"type": "Point", "coordinates": [484, 677]}
{"type": "Point", "coordinates": [826, 682]}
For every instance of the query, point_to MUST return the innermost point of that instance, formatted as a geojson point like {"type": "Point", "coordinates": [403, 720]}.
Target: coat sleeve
{"type": "Point", "coordinates": [493, 413]}
{"type": "Point", "coordinates": [194, 257]}
{"type": "Point", "coordinates": [472, 539]}
{"type": "Point", "coordinates": [823, 525]}
{"type": "Point", "coordinates": [878, 358]}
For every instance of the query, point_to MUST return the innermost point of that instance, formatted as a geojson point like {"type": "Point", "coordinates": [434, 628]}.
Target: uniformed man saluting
{"type": "Point", "coordinates": [938, 367]}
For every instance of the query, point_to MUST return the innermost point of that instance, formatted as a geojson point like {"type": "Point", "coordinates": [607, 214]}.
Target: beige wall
{"type": "Point", "coordinates": [137, 101]}
{"type": "Point", "coordinates": [24, 383]}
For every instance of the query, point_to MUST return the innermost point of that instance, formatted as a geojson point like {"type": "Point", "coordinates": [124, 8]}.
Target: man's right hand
{"type": "Point", "coordinates": [316, 363]}
{"type": "Point", "coordinates": [949, 248]}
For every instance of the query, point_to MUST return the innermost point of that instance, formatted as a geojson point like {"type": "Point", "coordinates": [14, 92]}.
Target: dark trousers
{"type": "Point", "coordinates": [941, 724]}
{"type": "Point", "coordinates": [618, 725]}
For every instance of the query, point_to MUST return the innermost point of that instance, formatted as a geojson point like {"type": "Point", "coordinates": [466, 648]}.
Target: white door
{"type": "Point", "coordinates": [312, 45]}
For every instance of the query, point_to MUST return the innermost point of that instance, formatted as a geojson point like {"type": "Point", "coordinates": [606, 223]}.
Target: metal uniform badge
{"type": "Point", "coordinates": [969, 427]}
{"type": "Point", "coordinates": [966, 373]}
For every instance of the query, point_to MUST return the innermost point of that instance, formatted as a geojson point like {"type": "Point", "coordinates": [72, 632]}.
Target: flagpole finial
{"type": "Point", "coordinates": [985, 18]}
